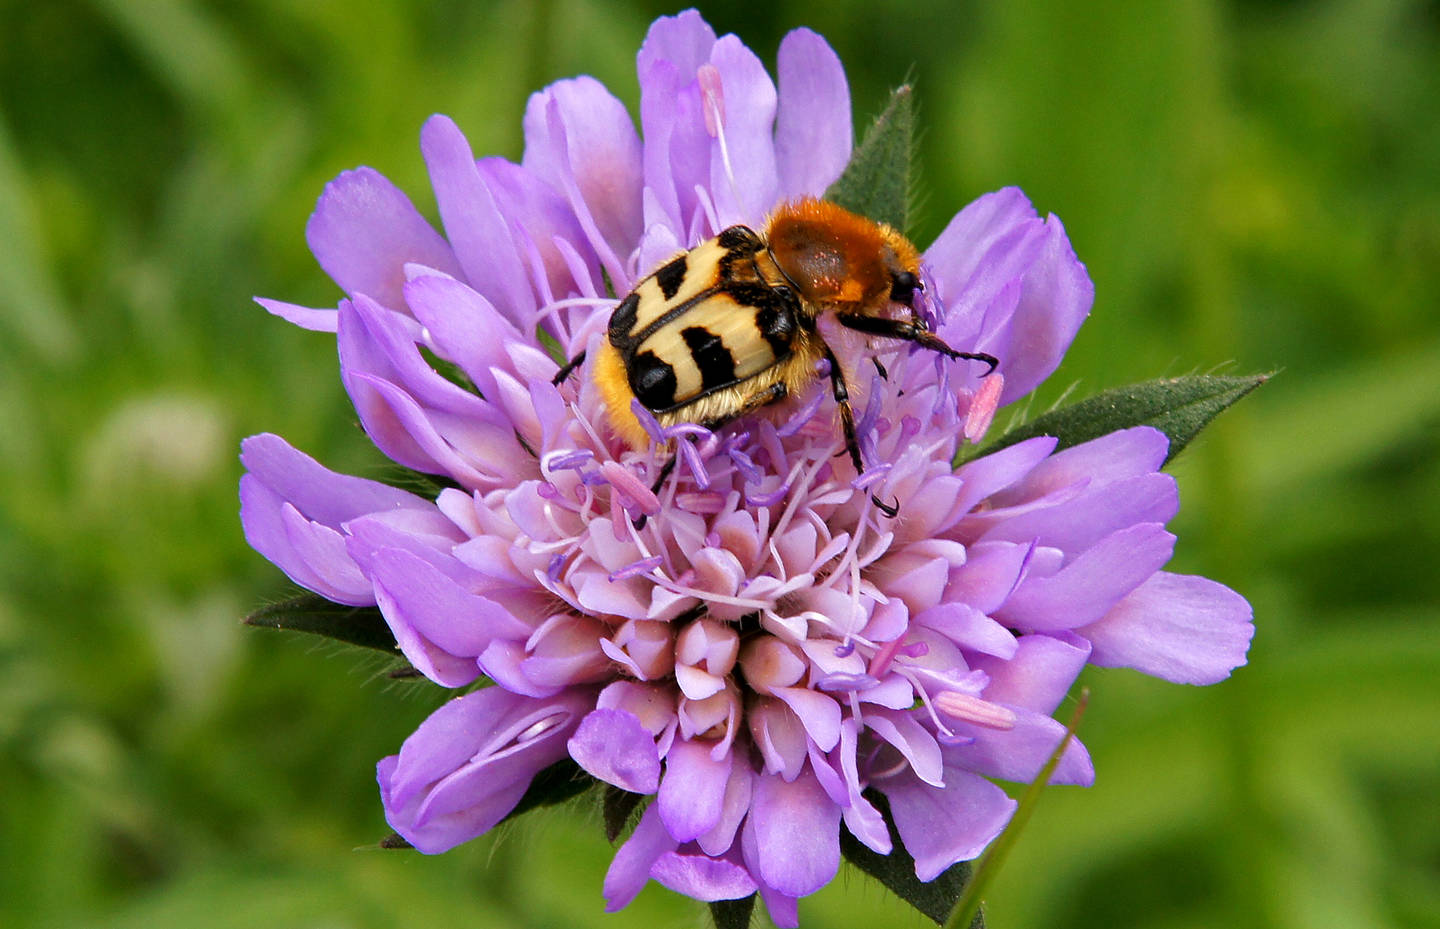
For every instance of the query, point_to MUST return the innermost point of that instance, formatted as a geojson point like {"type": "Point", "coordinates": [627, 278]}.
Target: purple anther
{"type": "Point", "coordinates": [643, 566]}
{"type": "Point", "coordinates": [842, 681]}
{"type": "Point", "coordinates": [746, 467]}
{"type": "Point", "coordinates": [552, 570]}
{"type": "Point", "coordinates": [770, 499]}
{"type": "Point", "coordinates": [565, 460]}
{"type": "Point", "coordinates": [694, 463]}
{"type": "Point", "coordinates": [547, 491]}
{"type": "Point", "coordinates": [845, 649]}
{"type": "Point", "coordinates": [916, 650]}
{"type": "Point", "coordinates": [712, 539]}
{"type": "Point", "coordinates": [648, 422]}
{"type": "Point", "coordinates": [803, 415]}
{"type": "Point", "coordinates": [871, 476]}
{"type": "Point", "coordinates": [953, 738]}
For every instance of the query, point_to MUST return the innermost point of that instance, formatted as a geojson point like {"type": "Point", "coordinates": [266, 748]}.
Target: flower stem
{"type": "Point", "coordinates": [989, 865]}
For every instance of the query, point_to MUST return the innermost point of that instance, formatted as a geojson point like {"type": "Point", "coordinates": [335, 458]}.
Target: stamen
{"type": "Point", "coordinates": [643, 566]}
{"type": "Point", "coordinates": [806, 413]}
{"type": "Point", "coordinates": [884, 656]}
{"type": "Point", "coordinates": [624, 480]}
{"type": "Point", "coordinates": [842, 681]}
{"type": "Point", "coordinates": [547, 491]}
{"type": "Point", "coordinates": [916, 650]}
{"type": "Point", "coordinates": [693, 461]}
{"type": "Point", "coordinates": [746, 467]}
{"type": "Point", "coordinates": [648, 422]}
{"type": "Point", "coordinates": [770, 499]}
{"type": "Point", "coordinates": [565, 459]}
{"type": "Point", "coordinates": [552, 571]}
{"type": "Point", "coordinates": [871, 475]}
{"type": "Point", "coordinates": [846, 649]}
{"type": "Point", "coordinates": [708, 502]}
{"type": "Point", "coordinates": [712, 95]}
{"type": "Point", "coordinates": [972, 709]}
{"type": "Point", "coordinates": [983, 406]}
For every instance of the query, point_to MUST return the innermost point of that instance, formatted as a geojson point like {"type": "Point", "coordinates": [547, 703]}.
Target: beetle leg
{"type": "Point", "coordinates": [847, 419]}
{"type": "Point", "coordinates": [910, 330]}
{"type": "Point", "coordinates": [567, 369]}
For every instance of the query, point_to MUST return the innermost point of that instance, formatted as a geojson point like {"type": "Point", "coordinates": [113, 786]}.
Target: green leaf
{"type": "Point", "coordinates": [732, 914]}
{"type": "Point", "coordinates": [876, 182]}
{"type": "Point", "coordinates": [312, 613]}
{"type": "Point", "coordinates": [556, 784]}
{"type": "Point", "coordinates": [936, 899]}
{"type": "Point", "coordinates": [616, 808]}
{"type": "Point", "coordinates": [1179, 407]}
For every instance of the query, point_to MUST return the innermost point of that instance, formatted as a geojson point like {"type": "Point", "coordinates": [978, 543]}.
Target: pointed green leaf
{"type": "Point", "coordinates": [1179, 407]}
{"type": "Point", "coordinates": [556, 784]}
{"type": "Point", "coordinates": [732, 914]}
{"type": "Point", "coordinates": [936, 899]}
{"type": "Point", "coordinates": [876, 182]}
{"type": "Point", "coordinates": [312, 613]}
{"type": "Point", "coordinates": [616, 809]}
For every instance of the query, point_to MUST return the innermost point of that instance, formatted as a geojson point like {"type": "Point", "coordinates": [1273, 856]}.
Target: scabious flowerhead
{"type": "Point", "coordinates": [758, 645]}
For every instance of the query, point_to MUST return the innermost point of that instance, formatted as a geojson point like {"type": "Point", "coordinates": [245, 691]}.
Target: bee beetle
{"type": "Point", "coordinates": [730, 326]}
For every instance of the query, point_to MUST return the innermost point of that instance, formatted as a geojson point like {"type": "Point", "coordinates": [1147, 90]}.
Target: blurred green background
{"type": "Point", "coordinates": [1254, 185]}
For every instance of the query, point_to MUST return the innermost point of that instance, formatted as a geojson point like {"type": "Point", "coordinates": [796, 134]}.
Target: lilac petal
{"type": "Point", "coordinates": [998, 470]}
{"type": "Point", "coordinates": [861, 817]}
{"type": "Point", "coordinates": [702, 877]}
{"type": "Point", "coordinates": [303, 316]}
{"type": "Point", "coordinates": [1039, 675]}
{"type": "Point", "coordinates": [437, 664]}
{"type": "Point", "coordinates": [317, 492]}
{"type": "Point", "coordinates": [310, 553]}
{"type": "Point", "coordinates": [1086, 588]}
{"type": "Point", "coordinates": [460, 622]}
{"type": "Point", "coordinates": [978, 313]}
{"type": "Point", "coordinates": [684, 40]}
{"type": "Point", "coordinates": [989, 574]}
{"type": "Point", "coordinates": [1057, 297]}
{"type": "Point", "coordinates": [812, 128]}
{"type": "Point", "coordinates": [676, 156]}
{"type": "Point", "coordinates": [943, 825]}
{"type": "Point", "coordinates": [538, 213]}
{"type": "Point", "coordinates": [958, 252]}
{"type": "Point", "coordinates": [911, 739]}
{"type": "Point", "coordinates": [470, 762]}
{"type": "Point", "coordinates": [503, 663]}
{"type": "Point", "coordinates": [384, 343]}
{"type": "Point", "coordinates": [469, 330]}
{"type": "Point", "coordinates": [363, 232]}
{"type": "Point", "coordinates": [1019, 753]}
{"type": "Point", "coordinates": [580, 139]}
{"type": "Point", "coordinates": [613, 746]}
{"type": "Point", "coordinates": [1183, 628]}
{"type": "Point", "coordinates": [1079, 523]}
{"type": "Point", "coordinates": [1115, 456]}
{"type": "Point", "coordinates": [749, 127]}
{"type": "Point", "coordinates": [478, 232]}
{"type": "Point", "coordinates": [969, 628]}
{"type": "Point", "coordinates": [818, 712]}
{"type": "Point", "coordinates": [692, 795]}
{"type": "Point", "coordinates": [794, 829]}
{"type": "Point", "coordinates": [734, 806]}
{"type": "Point", "coordinates": [630, 868]}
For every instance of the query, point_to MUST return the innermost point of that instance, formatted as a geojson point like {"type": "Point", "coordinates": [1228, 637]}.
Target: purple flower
{"type": "Point", "coordinates": [767, 645]}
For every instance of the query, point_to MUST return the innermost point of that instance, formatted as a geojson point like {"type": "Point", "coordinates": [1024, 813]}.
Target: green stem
{"type": "Point", "coordinates": [989, 865]}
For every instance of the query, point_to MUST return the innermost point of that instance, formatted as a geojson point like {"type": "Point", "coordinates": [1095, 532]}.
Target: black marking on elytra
{"type": "Point", "coordinates": [777, 325]}
{"type": "Point", "coordinates": [716, 364]}
{"type": "Point", "coordinates": [671, 276]}
{"type": "Point", "coordinates": [652, 380]}
{"type": "Point", "coordinates": [623, 320]}
{"type": "Point", "coordinates": [739, 237]}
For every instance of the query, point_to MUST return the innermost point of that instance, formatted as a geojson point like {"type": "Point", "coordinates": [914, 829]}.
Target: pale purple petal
{"type": "Point", "coordinates": [1183, 628]}
{"type": "Point", "coordinates": [363, 232]}
{"type": "Point", "coordinates": [1040, 673]}
{"type": "Point", "coordinates": [477, 231]}
{"type": "Point", "coordinates": [470, 762]}
{"type": "Point", "coordinates": [1019, 753]}
{"type": "Point", "coordinates": [703, 877]}
{"type": "Point", "coordinates": [614, 747]}
{"type": "Point", "coordinates": [943, 825]}
{"type": "Point", "coordinates": [630, 868]}
{"type": "Point", "coordinates": [692, 795]}
{"type": "Point", "coordinates": [749, 136]}
{"type": "Point", "coordinates": [795, 830]}
{"type": "Point", "coordinates": [303, 316]}
{"type": "Point", "coordinates": [1086, 588]}
{"type": "Point", "coordinates": [812, 126]}
{"type": "Point", "coordinates": [317, 492]}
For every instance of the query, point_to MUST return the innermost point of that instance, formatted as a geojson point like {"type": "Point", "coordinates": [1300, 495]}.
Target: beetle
{"type": "Point", "coordinates": [730, 326]}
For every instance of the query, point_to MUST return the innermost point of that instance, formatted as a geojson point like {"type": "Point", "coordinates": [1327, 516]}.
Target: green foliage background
{"type": "Point", "coordinates": [1254, 184]}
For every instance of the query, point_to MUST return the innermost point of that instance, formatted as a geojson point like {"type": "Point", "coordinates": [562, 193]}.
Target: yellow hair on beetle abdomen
{"type": "Point", "coordinates": [614, 384]}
